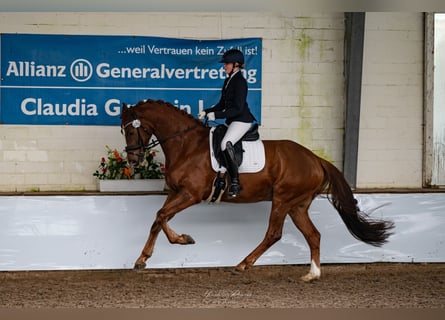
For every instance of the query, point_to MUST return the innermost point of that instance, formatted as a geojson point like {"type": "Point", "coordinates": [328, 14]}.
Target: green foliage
{"type": "Point", "coordinates": [116, 166]}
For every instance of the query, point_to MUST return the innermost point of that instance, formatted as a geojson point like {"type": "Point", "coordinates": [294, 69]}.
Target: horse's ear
{"type": "Point", "coordinates": [124, 109]}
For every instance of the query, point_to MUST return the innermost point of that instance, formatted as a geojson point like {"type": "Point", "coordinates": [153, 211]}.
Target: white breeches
{"type": "Point", "coordinates": [235, 132]}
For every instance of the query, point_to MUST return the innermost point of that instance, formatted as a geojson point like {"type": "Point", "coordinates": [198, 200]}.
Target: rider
{"type": "Point", "coordinates": [234, 108]}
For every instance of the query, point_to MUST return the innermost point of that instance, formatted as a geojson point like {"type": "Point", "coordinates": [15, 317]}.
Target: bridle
{"type": "Point", "coordinates": [136, 123]}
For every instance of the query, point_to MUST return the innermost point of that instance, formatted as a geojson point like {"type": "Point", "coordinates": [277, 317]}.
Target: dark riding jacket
{"type": "Point", "coordinates": [233, 104]}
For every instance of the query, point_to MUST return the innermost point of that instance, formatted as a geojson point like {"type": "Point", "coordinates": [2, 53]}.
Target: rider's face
{"type": "Point", "coordinates": [228, 67]}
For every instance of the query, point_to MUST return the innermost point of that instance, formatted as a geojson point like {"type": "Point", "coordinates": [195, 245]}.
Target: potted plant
{"type": "Point", "coordinates": [115, 173]}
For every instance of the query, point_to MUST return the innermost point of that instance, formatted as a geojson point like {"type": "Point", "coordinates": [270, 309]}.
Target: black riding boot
{"type": "Point", "coordinates": [232, 169]}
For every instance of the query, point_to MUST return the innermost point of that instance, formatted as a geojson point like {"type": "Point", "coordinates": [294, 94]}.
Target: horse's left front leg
{"type": "Point", "coordinates": [173, 204]}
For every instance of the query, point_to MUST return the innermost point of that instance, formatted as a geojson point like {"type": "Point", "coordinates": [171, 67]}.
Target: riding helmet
{"type": "Point", "coordinates": [233, 56]}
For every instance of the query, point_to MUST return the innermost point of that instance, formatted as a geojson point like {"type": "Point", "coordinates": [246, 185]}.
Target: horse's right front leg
{"type": "Point", "coordinates": [149, 245]}
{"type": "Point", "coordinates": [172, 205]}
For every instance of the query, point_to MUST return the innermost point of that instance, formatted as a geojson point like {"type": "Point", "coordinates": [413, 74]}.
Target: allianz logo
{"type": "Point", "coordinates": [80, 70]}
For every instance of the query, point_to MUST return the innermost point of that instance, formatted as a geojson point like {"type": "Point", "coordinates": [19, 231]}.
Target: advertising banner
{"type": "Point", "coordinates": [84, 79]}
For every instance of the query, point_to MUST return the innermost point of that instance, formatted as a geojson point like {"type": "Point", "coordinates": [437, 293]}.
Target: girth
{"type": "Point", "coordinates": [218, 135]}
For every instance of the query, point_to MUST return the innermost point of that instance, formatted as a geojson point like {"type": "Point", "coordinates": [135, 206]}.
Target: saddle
{"type": "Point", "coordinates": [218, 135]}
{"type": "Point", "coordinates": [219, 183]}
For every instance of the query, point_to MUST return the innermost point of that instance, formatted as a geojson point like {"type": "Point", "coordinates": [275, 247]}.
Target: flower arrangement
{"type": "Point", "coordinates": [116, 166]}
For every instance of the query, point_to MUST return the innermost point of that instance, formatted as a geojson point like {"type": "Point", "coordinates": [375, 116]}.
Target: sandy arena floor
{"type": "Point", "coordinates": [379, 285]}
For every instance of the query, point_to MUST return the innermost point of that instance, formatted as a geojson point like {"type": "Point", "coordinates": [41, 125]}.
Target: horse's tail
{"type": "Point", "coordinates": [360, 225]}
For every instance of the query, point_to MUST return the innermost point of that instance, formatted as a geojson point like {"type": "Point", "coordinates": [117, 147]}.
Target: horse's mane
{"type": "Point", "coordinates": [170, 106]}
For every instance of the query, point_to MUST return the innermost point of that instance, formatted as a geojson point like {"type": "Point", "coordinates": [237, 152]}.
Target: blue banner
{"type": "Point", "coordinates": [83, 79]}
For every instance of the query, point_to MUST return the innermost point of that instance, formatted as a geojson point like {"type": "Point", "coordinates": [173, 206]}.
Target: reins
{"type": "Point", "coordinates": [156, 142]}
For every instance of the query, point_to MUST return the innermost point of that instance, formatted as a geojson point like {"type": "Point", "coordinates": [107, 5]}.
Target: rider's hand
{"type": "Point", "coordinates": [202, 115]}
{"type": "Point", "coordinates": [211, 116]}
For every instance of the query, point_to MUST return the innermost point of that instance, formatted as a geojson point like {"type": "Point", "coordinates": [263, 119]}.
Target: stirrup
{"type": "Point", "coordinates": [234, 189]}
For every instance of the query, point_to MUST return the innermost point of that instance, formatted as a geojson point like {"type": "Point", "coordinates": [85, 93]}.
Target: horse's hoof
{"type": "Point", "coordinates": [239, 269]}
{"type": "Point", "coordinates": [236, 272]}
{"type": "Point", "coordinates": [188, 239]}
{"type": "Point", "coordinates": [139, 266]}
{"type": "Point", "coordinates": [310, 277]}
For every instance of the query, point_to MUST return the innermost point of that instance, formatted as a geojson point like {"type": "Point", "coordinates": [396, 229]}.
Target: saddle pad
{"type": "Point", "coordinates": [253, 157]}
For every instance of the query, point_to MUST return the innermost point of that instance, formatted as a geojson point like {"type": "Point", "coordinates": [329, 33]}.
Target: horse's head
{"type": "Point", "coordinates": [136, 135]}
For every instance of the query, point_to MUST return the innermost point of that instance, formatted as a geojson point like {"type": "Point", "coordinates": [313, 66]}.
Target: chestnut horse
{"type": "Point", "coordinates": [291, 178]}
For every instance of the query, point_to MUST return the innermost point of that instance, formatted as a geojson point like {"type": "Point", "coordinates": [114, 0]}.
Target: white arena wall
{"type": "Point", "coordinates": [303, 92]}
{"type": "Point", "coordinates": [108, 232]}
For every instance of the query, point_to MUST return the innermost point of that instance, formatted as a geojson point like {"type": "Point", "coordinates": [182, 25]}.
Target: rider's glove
{"type": "Point", "coordinates": [211, 116]}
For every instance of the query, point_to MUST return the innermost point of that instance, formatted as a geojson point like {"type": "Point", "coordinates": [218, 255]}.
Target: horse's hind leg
{"type": "Point", "coordinates": [273, 234]}
{"type": "Point", "coordinates": [300, 217]}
